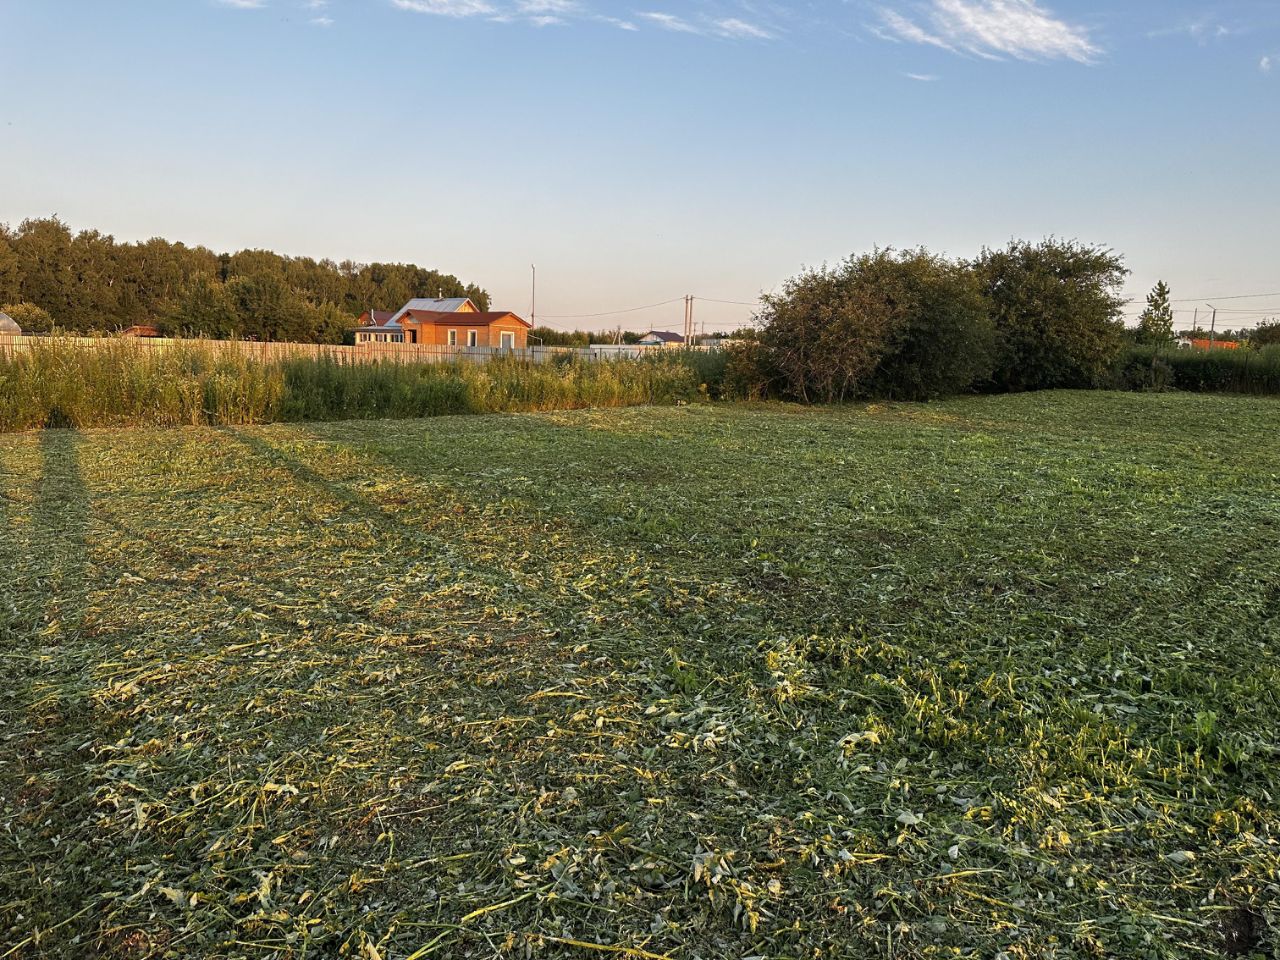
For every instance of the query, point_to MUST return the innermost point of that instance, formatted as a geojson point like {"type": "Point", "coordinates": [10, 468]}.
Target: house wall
{"type": "Point", "coordinates": [378, 335]}
{"type": "Point", "coordinates": [489, 335]}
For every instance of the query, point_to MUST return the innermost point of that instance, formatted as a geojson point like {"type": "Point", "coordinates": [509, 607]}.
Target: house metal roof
{"type": "Point", "coordinates": [446, 305]}
{"type": "Point", "coordinates": [663, 336]}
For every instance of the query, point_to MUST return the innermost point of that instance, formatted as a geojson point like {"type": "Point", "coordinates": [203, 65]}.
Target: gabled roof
{"type": "Point", "coordinates": [663, 336]}
{"type": "Point", "coordinates": [375, 318]}
{"type": "Point", "coordinates": [445, 305]}
{"type": "Point", "coordinates": [462, 319]}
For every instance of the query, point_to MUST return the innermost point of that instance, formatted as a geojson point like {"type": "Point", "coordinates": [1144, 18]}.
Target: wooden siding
{"type": "Point", "coordinates": [488, 335]}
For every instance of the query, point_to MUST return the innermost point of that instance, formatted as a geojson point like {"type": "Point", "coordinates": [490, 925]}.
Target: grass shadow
{"type": "Point", "coordinates": [47, 706]}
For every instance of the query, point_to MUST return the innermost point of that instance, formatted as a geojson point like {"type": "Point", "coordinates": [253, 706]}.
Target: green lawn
{"type": "Point", "coordinates": [995, 677]}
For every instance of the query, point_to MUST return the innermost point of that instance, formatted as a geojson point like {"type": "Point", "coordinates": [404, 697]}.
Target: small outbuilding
{"type": "Point", "coordinates": [9, 326]}
{"type": "Point", "coordinates": [661, 338]}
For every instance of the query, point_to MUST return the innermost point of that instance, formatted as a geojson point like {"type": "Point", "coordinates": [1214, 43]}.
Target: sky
{"type": "Point", "coordinates": [641, 150]}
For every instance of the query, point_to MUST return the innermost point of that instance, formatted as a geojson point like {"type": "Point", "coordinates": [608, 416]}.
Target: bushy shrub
{"type": "Point", "coordinates": [747, 373]}
{"type": "Point", "coordinates": [1144, 369]}
{"type": "Point", "coordinates": [940, 335]}
{"type": "Point", "coordinates": [707, 367]}
{"type": "Point", "coordinates": [28, 316]}
{"type": "Point", "coordinates": [905, 325]}
{"type": "Point", "coordinates": [1056, 307]}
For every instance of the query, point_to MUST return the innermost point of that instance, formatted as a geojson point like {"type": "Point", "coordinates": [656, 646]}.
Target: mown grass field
{"type": "Point", "coordinates": [994, 678]}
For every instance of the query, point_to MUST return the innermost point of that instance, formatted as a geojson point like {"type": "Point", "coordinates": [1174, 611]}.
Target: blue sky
{"type": "Point", "coordinates": [638, 151]}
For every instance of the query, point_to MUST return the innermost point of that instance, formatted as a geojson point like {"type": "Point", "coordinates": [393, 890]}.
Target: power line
{"type": "Point", "coordinates": [736, 303]}
{"type": "Point", "coordinates": [1243, 296]}
{"type": "Point", "coordinates": [648, 306]}
{"type": "Point", "coordinates": [609, 313]}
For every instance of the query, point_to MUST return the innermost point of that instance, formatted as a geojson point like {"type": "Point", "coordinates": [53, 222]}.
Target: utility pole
{"type": "Point", "coordinates": [533, 297]}
{"type": "Point", "coordinates": [1213, 326]}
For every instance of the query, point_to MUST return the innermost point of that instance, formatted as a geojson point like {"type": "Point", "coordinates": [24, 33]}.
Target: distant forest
{"type": "Point", "coordinates": [86, 282]}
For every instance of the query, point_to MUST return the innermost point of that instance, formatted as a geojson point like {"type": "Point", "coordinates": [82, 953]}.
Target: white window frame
{"type": "Point", "coordinates": [473, 338]}
{"type": "Point", "coordinates": [452, 338]}
{"type": "Point", "coordinates": [507, 339]}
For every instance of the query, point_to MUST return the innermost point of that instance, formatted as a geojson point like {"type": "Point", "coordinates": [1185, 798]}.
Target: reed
{"type": "Point", "coordinates": [1204, 371]}
{"type": "Point", "coordinates": [115, 383]}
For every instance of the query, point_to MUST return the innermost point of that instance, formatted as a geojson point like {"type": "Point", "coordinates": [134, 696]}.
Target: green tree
{"type": "Point", "coordinates": [10, 269]}
{"type": "Point", "coordinates": [1057, 308]}
{"type": "Point", "coordinates": [44, 253]}
{"type": "Point", "coordinates": [267, 309]}
{"type": "Point", "coordinates": [205, 309]}
{"type": "Point", "coordinates": [1265, 335]}
{"type": "Point", "coordinates": [1155, 325]}
{"type": "Point", "coordinates": [87, 281]}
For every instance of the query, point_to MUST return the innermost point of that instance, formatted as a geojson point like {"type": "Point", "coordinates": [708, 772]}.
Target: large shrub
{"type": "Point", "coordinates": [905, 325]}
{"type": "Point", "coordinates": [29, 317]}
{"type": "Point", "coordinates": [1056, 307]}
{"type": "Point", "coordinates": [939, 333]}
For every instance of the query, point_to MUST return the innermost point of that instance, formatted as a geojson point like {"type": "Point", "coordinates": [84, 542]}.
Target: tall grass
{"type": "Point", "coordinates": [121, 383]}
{"type": "Point", "coordinates": [323, 390]}
{"type": "Point", "coordinates": [1203, 371]}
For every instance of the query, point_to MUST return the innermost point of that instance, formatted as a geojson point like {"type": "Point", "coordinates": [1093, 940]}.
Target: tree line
{"type": "Point", "coordinates": [87, 282]}
{"type": "Point", "coordinates": [914, 325]}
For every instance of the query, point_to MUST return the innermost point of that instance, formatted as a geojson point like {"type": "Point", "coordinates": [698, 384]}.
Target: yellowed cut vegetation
{"type": "Point", "coordinates": [989, 678]}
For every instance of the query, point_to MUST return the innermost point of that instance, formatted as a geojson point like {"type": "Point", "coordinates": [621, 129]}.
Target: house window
{"type": "Point", "coordinates": [508, 341]}
{"type": "Point", "coordinates": [452, 339]}
{"type": "Point", "coordinates": [473, 337]}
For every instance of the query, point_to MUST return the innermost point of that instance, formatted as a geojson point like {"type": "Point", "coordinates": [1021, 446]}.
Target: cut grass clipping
{"type": "Point", "coordinates": [990, 678]}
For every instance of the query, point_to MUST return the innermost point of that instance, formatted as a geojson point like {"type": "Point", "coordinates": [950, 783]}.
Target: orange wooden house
{"type": "Point", "coordinates": [1214, 344]}
{"type": "Point", "coordinates": [477, 328]}
{"type": "Point", "coordinates": [445, 322]}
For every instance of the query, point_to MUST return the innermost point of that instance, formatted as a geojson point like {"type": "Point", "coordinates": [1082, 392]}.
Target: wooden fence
{"type": "Point", "coordinates": [11, 344]}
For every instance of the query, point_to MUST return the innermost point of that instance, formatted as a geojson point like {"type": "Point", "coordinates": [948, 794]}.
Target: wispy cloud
{"type": "Point", "coordinates": [732, 28]}
{"type": "Point", "coordinates": [243, 4]}
{"type": "Point", "coordinates": [545, 13]}
{"type": "Point", "coordinates": [669, 21]}
{"type": "Point", "coordinates": [741, 30]}
{"type": "Point", "coordinates": [321, 21]}
{"type": "Point", "coordinates": [992, 29]}
{"type": "Point", "coordinates": [1203, 30]}
{"type": "Point", "coordinates": [922, 77]}
{"type": "Point", "coordinates": [1267, 64]}
{"type": "Point", "coordinates": [446, 8]}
